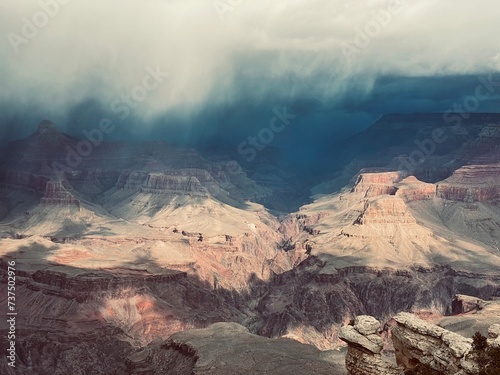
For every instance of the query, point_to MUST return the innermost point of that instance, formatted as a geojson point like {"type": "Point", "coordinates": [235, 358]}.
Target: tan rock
{"type": "Point", "coordinates": [372, 343]}
{"type": "Point", "coordinates": [386, 209]}
{"type": "Point", "coordinates": [364, 348]}
{"type": "Point", "coordinates": [494, 331]}
{"type": "Point", "coordinates": [366, 325]}
{"type": "Point", "coordinates": [417, 341]}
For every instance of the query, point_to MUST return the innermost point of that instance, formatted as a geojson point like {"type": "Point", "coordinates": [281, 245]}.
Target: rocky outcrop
{"type": "Point", "coordinates": [315, 295]}
{"type": "Point", "coordinates": [411, 189]}
{"type": "Point", "coordinates": [463, 304]}
{"type": "Point", "coordinates": [162, 183]}
{"type": "Point", "coordinates": [228, 349]}
{"type": "Point", "coordinates": [494, 335]}
{"type": "Point", "coordinates": [158, 183]}
{"type": "Point", "coordinates": [375, 184]}
{"type": "Point", "coordinates": [56, 193]}
{"type": "Point", "coordinates": [416, 341]}
{"type": "Point", "coordinates": [472, 183]}
{"type": "Point", "coordinates": [386, 209]}
{"type": "Point", "coordinates": [364, 348]}
{"type": "Point", "coordinates": [490, 131]}
{"type": "Point", "coordinates": [293, 225]}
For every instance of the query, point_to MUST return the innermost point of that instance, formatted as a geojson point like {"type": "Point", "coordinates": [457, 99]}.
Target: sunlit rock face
{"type": "Point", "coordinates": [375, 184]}
{"type": "Point", "coordinates": [389, 209]}
{"type": "Point", "coordinates": [416, 341]}
{"type": "Point", "coordinates": [411, 189]}
{"type": "Point", "coordinates": [472, 183]}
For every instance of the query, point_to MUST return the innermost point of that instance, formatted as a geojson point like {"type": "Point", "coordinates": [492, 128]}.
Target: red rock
{"type": "Point", "coordinates": [378, 183]}
{"type": "Point", "coordinates": [387, 209]}
{"type": "Point", "coordinates": [411, 189]}
{"type": "Point", "coordinates": [472, 183]}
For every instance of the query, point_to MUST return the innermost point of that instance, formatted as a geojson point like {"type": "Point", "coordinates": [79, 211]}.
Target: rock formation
{"type": "Point", "coordinates": [472, 183]}
{"type": "Point", "coordinates": [416, 341]}
{"type": "Point", "coordinates": [24, 180]}
{"type": "Point", "coordinates": [411, 189]}
{"type": "Point", "coordinates": [463, 304]}
{"type": "Point", "coordinates": [364, 348]}
{"type": "Point", "coordinates": [375, 184]}
{"type": "Point", "coordinates": [386, 209]}
{"type": "Point", "coordinates": [494, 335]}
{"type": "Point", "coordinates": [56, 192]}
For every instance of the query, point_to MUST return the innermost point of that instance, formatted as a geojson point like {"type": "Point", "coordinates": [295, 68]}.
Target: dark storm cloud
{"type": "Point", "coordinates": [231, 62]}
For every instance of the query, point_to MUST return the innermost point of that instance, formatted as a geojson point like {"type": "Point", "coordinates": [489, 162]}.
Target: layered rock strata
{"type": "Point", "coordinates": [364, 348]}
{"type": "Point", "coordinates": [411, 189]}
{"type": "Point", "coordinates": [56, 193]}
{"type": "Point", "coordinates": [416, 341]}
{"type": "Point", "coordinates": [472, 183]}
{"type": "Point", "coordinates": [386, 209]}
{"type": "Point", "coordinates": [375, 184]}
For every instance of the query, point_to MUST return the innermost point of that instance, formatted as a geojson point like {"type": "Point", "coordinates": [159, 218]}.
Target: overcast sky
{"type": "Point", "coordinates": [67, 59]}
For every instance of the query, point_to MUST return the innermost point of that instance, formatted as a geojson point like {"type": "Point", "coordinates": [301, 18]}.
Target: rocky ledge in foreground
{"type": "Point", "coordinates": [365, 347]}
{"type": "Point", "coordinates": [416, 342]}
{"type": "Point", "coordinates": [228, 349]}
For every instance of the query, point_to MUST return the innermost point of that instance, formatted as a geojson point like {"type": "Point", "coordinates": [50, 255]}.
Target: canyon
{"type": "Point", "coordinates": [148, 257]}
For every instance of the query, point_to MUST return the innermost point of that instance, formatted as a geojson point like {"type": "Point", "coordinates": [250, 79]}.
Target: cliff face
{"type": "Point", "coordinates": [375, 184]}
{"type": "Point", "coordinates": [411, 189]}
{"type": "Point", "coordinates": [56, 192]}
{"type": "Point", "coordinates": [386, 195]}
{"type": "Point", "coordinates": [160, 183]}
{"type": "Point", "coordinates": [472, 183]}
{"type": "Point", "coordinates": [416, 341]}
{"type": "Point", "coordinates": [364, 348]}
{"type": "Point", "coordinates": [388, 209]}
{"type": "Point", "coordinates": [312, 301]}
